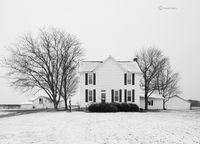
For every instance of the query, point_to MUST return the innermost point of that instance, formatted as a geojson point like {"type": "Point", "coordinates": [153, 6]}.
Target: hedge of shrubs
{"type": "Point", "coordinates": [113, 107]}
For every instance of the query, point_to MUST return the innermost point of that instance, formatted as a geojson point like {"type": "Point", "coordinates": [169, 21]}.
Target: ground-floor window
{"type": "Point", "coordinates": [129, 95]}
{"type": "Point", "coordinates": [150, 102]}
{"type": "Point", "coordinates": [90, 95]}
{"type": "Point", "coordinates": [116, 96]}
{"type": "Point", "coordinates": [103, 96]}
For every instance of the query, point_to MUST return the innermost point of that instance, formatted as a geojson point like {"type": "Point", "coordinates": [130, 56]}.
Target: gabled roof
{"type": "Point", "coordinates": [109, 58]}
{"type": "Point", "coordinates": [34, 98]}
{"type": "Point", "coordinates": [153, 95]}
{"type": "Point", "coordinates": [180, 98]}
{"type": "Point", "coordinates": [89, 66]}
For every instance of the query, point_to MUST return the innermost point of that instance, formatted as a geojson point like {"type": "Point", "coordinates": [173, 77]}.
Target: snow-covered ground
{"type": "Point", "coordinates": [4, 113]}
{"type": "Point", "coordinates": [170, 127]}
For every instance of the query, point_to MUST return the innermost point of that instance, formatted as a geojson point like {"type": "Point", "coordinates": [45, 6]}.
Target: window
{"type": "Point", "coordinates": [129, 95]}
{"type": "Point", "coordinates": [90, 79]}
{"type": "Point", "coordinates": [129, 78]}
{"type": "Point", "coordinates": [116, 95]}
{"type": "Point", "coordinates": [103, 96]}
{"type": "Point", "coordinates": [90, 95]}
{"type": "Point", "coordinates": [40, 101]}
{"type": "Point", "coordinates": [150, 102]}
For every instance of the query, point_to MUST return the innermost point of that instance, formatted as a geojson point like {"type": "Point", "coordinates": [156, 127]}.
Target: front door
{"type": "Point", "coordinates": [103, 96]}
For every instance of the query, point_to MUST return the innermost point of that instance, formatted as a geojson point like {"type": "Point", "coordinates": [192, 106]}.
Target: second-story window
{"type": "Point", "coordinates": [90, 78]}
{"type": "Point", "coordinates": [129, 78]}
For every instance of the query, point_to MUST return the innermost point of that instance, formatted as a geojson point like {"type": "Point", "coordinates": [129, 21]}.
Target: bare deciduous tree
{"type": "Point", "coordinates": [43, 62]}
{"type": "Point", "coordinates": [151, 62]}
{"type": "Point", "coordinates": [70, 85]}
{"type": "Point", "coordinates": [167, 84]}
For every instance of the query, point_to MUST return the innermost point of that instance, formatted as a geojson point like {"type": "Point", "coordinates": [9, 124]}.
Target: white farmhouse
{"type": "Point", "coordinates": [178, 103]}
{"type": "Point", "coordinates": [109, 81]}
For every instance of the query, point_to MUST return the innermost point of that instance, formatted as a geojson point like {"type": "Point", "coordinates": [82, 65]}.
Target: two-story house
{"type": "Point", "coordinates": [109, 81]}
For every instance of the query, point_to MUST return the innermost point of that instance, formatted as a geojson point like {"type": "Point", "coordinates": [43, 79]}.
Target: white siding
{"type": "Point", "coordinates": [109, 75]}
{"type": "Point", "coordinates": [157, 103]}
{"type": "Point", "coordinates": [46, 103]}
{"type": "Point", "coordinates": [177, 103]}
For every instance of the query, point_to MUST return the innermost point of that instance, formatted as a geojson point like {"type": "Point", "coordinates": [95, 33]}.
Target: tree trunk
{"type": "Point", "coordinates": [146, 100]}
{"type": "Point", "coordinates": [55, 105]}
{"type": "Point", "coordinates": [164, 105]}
{"type": "Point", "coordinates": [65, 93]}
{"type": "Point", "coordinates": [70, 106]}
{"type": "Point", "coordinates": [66, 108]}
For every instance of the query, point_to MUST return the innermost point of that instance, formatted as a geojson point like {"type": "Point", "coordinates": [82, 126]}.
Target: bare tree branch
{"type": "Point", "coordinates": [150, 61]}
{"type": "Point", "coordinates": [43, 62]}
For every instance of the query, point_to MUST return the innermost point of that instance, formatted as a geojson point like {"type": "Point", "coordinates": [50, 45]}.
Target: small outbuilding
{"type": "Point", "coordinates": [155, 101]}
{"type": "Point", "coordinates": [44, 102]}
{"type": "Point", "coordinates": [178, 103]}
{"type": "Point", "coordinates": [41, 102]}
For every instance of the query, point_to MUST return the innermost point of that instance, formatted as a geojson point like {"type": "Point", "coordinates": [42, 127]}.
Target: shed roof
{"type": "Point", "coordinates": [34, 98]}
{"type": "Point", "coordinates": [153, 95]}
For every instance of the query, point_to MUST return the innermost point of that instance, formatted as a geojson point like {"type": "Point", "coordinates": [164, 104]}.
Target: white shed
{"type": "Point", "coordinates": [44, 102]}
{"type": "Point", "coordinates": [41, 102]}
{"type": "Point", "coordinates": [178, 103]}
{"type": "Point", "coordinates": [155, 101]}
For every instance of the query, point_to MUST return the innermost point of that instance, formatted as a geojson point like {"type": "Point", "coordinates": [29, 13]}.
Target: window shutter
{"type": "Point", "coordinates": [120, 95]}
{"type": "Point", "coordinates": [125, 95]}
{"type": "Point", "coordinates": [86, 95]}
{"type": "Point", "coordinates": [125, 79]}
{"type": "Point", "coordinates": [86, 78]}
{"type": "Point", "coordinates": [94, 78]}
{"type": "Point", "coordinates": [133, 79]}
{"type": "Point", "coordinates": [152, 102]}
{"type": "Point", "coordinates": [133, 95]}
{"type": "Point", "coordinates": [94, 95]}
{"type": "Point", "coordinates": [112, 95]}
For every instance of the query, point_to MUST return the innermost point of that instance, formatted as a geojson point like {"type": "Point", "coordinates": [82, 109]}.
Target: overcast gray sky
{"type": "Point", "coordinates": [112, 27]}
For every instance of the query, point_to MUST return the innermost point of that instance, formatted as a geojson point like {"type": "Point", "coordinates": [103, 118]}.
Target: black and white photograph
{"type": "Point", "coordinates": [99, 71]}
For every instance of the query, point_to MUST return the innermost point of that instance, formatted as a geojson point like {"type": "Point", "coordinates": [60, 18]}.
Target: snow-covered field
{"type": "Point", "coordinates": [170, 127]}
